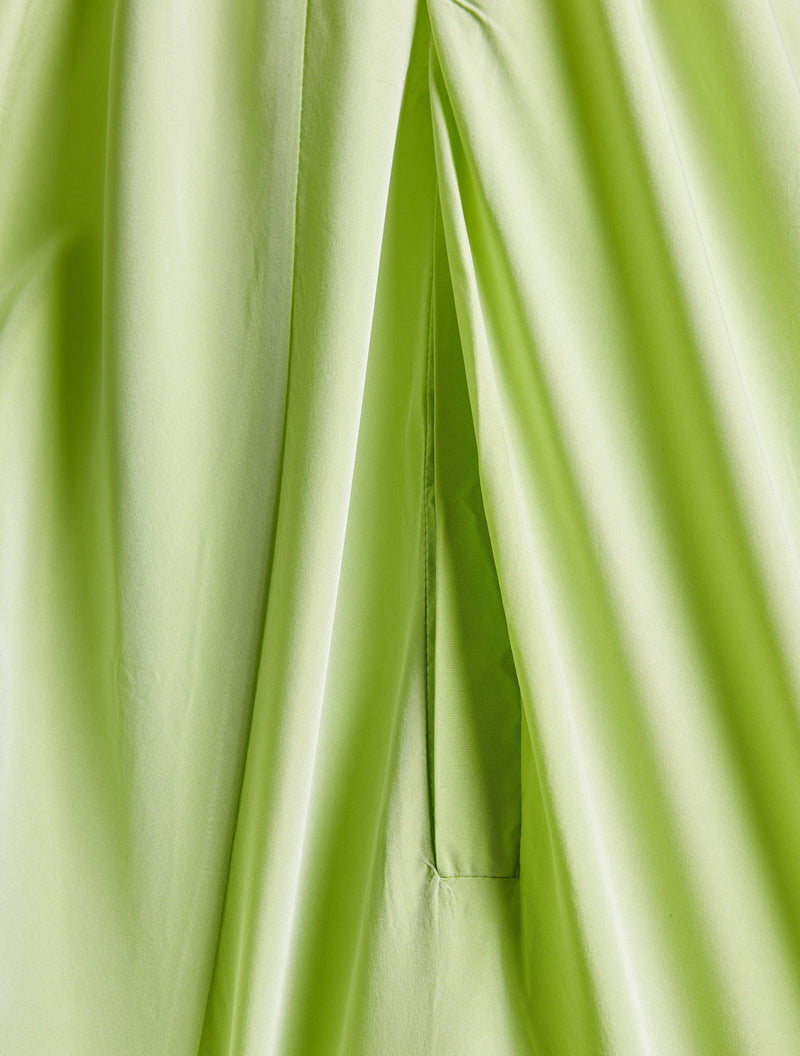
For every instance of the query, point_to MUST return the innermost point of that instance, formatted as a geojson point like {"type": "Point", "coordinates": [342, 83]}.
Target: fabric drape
{"type": "Point", "coordinates": [399, 528]}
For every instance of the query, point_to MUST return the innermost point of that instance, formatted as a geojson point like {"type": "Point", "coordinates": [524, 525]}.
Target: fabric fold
{"type": "Point", "coordinates": [399, 504]}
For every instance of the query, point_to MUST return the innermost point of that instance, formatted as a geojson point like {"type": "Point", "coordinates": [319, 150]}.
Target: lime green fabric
{"type": "Point", "coordinates": [399, 528]}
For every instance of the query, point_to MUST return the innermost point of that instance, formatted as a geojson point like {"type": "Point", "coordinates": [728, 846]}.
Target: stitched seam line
{"type": "Point", "coordinates": [428, 531]}
{"type": "Point", "coordinates": [479, 876]}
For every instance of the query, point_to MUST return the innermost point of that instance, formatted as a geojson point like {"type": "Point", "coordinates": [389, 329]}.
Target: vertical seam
{"type": "Point", "coordinates": [429, 534]}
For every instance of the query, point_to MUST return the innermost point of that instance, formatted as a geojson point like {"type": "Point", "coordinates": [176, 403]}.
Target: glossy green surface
{"type": "Point", "coordinates": [399, 528]}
